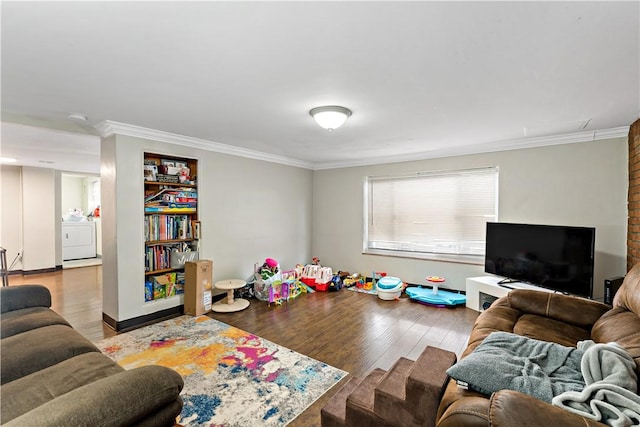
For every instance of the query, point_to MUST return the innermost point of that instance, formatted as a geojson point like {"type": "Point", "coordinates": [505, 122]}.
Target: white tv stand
{"type": "Point", "coordinates": [488, 285]}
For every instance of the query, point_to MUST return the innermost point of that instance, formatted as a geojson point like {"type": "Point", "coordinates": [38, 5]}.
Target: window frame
{"type": "Point", "coordinates": [444, 257]}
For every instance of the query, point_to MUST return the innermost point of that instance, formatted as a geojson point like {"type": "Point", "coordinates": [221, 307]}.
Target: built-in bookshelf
{"type": "Point", "coordinates": [171, 225]}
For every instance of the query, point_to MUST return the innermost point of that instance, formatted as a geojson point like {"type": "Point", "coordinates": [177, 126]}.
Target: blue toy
{"type": "Point", "coordinates": [435, 296]}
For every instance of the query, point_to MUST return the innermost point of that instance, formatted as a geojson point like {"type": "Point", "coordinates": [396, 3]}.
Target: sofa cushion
{"type": "Point", "coordinates": [123, 399]}
{"type": "Point", "coordinates": [509, 361]}
{"type": "Point", "coordinates": [547, 329]}
{"type": "Point", "coordinates": [575, 311]}
{"type": "Point", "coordinates": [23, 296]}
{"type": "Point", "coordinates": [29, 392]}
{"type": "Point", "coordinates": [18, 321]}
{"type": "Point", "coordinates": [40, 348]}
{"type": "Point", "coordinates": [502, 317]}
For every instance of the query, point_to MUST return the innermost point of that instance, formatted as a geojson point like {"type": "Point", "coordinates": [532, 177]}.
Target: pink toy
{"type": "Point", "coordinates": [271, 262]}
{"type": "Point", "coordinates": [278, 293]}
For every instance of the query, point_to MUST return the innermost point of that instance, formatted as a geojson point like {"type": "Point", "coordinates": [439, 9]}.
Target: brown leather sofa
{"type": "Point", "coordinates": [549, 317]}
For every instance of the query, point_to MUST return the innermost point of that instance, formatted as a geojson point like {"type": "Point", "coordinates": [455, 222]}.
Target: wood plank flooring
{"type": "Point", "coordinates": [76, 294]}
{"type": "Point", "coordinates": [351, 331]}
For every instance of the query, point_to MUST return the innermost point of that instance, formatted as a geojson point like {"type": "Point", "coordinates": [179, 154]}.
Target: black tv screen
{"type": "Point", "coordinates": [551, 256]}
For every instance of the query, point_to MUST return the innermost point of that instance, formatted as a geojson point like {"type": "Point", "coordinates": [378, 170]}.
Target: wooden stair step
{"type": "Point", "coordinates": [334, 412]}
{"type": "Point", "coordinates": [359, 410]}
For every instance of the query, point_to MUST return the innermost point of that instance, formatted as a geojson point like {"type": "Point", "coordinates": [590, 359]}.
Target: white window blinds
{"type": "Point", "coordinates": [431, 213]}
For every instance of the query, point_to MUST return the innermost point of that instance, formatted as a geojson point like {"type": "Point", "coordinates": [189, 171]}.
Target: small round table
{"type": "Point", "coordinates": [229, 304]}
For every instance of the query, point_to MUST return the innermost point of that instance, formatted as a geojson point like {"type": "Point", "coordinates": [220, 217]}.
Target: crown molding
{"type": "Point", "coordinates": [108, 128]}
{"type": "Point", "coordinates": [619, 132]}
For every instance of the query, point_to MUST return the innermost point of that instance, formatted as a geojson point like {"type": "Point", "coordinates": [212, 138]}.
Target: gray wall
{"type": "Point", "coordinates": [72, 194]}
{"type": "Point", "coordinates": [583, 184]}
{"type": "Point", "coordinates": [11, 213]}
{"type": "Point", "coordinates": [39, 218]}
{"type": "Point", "coordinates": [249, 210]}
{"type": "Point", "coordinates": [31, 216]}
{"type": "Point", "coordinates": [252, 209]}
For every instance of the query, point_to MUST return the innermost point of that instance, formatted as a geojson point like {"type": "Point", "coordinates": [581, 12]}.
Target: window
{"type": "Point", "coordinates": [434, 215]}
{"type": "Point", "coordinates": [93, 193]}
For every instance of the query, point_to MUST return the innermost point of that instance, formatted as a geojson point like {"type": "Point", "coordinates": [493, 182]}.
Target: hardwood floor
{"type": "Point", "coordinates": [351, 331]}
{"type": "Point", "coordinates": [76, 294]}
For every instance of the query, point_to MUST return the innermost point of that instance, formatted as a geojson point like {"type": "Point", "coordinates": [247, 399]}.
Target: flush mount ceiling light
{"type": "Point", "coordinates": [330, 117]}
{"type": "Point", "coordinates": [7, 160]}
{"type": "Point", "coordinates": [77, 116]}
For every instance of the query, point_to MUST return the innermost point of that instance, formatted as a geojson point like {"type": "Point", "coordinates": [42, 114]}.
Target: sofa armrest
{"type": "Point", "coordinates": [126, 398]}
{"type": "Point", "coordinates": [24, 296]}
{"type": "Point", "coordinates": [509, 408]}
{"type": "Point", "coordinates": [568, 309]}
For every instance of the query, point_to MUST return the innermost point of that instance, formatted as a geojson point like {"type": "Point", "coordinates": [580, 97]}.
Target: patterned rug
{"type": "Point", "coordinates": [231, 377]}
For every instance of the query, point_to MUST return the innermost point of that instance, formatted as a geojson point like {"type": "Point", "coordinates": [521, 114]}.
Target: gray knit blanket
{"type": "Point", "coordinates": [508, 361]}
{"type": "Point", "coordinates": [611, 385]}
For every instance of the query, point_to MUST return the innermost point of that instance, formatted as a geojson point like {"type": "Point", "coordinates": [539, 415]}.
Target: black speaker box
{"type": "Point", "coordinates": [611, 286]}
{"type": "Point", "coordinates": [486, 300]}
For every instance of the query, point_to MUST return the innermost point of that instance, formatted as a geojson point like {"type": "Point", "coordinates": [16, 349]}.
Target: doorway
{"type": "Point", "coordinates": [81, 221]}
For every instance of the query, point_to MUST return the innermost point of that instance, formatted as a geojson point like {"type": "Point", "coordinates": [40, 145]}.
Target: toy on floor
{"type": "Point", "coordinates": [354, 279]}
{"type": "Point", "coordinates": [434, 296]}
{"type": "Point", "coordinates": [371, 285]}
{"type": "Point", "coordinates": [337, 281]}
{"type": "Point", "coordinates": [266, 275]}
{"type": "Point", "coordinates": [278, 293]}
{"type": "Point", "coordinates": [323, 278]}
{"type": "Point", "coordinates": [435, 280]}
{"type": "Point", "coordinates": [389, 288]}
{"type": "Point", "coordinates": [290, 287]}
{"type": "Point", "coordinates": [309, 274]}
{"type": "Point", "coordinates": [377, 275]}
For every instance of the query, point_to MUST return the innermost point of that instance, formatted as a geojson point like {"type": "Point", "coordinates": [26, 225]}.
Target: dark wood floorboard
{"type": "Point", "coordinates": [352, 331]}
{"type": "Point", "coordinates": [76, 294]}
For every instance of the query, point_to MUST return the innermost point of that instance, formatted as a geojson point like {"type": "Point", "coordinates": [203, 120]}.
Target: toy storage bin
{"type": "Point", "coordinates": [323, 279]}
{"type": "Point", "coordinates": [322, 287]}
{"type": "Point", "coordinates": [389, 288]}
{"type": "Point", "coordinates": [309, 275]}
{"type": "Point", "coordinates": [309, 281]}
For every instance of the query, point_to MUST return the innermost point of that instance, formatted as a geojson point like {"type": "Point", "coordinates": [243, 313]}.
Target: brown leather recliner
{"type": "Point", "coordinates": [549, 317]}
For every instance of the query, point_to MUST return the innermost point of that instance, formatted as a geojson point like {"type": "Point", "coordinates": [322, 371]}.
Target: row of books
{"type": "Point", "coordinates": [168, 227]}
{"type": "Point", "coordinates": [166, 256]}
{"type": "Point", "coordinates": [157, 258]}
{"type": "Point", "coordinates": [172, 200]}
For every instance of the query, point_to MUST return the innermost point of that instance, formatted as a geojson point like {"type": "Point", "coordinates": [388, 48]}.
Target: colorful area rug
{"type": "Point", "coordinates": [231, 377]}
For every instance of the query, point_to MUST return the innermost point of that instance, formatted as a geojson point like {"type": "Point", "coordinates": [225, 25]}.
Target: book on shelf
{"type": "Point", "coordinates": [195, 227]}
{"type": "Point", "coordinates": [173, 194]}
{"type": "Point", "coordinates": [168, 209]}
{"type": "Point", "coordinates": [167, 227]}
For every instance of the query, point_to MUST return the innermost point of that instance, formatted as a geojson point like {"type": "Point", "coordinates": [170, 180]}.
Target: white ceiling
{"type": "Point", "coordinates": [421, 78]}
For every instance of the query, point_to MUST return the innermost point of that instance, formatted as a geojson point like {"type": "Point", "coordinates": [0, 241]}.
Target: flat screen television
{"type": "Point", "coordinates": [550, 256]}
